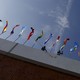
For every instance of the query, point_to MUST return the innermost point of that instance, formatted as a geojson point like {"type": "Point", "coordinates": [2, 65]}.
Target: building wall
{"type": "Point", "coordinates": [50, 60]}
{"type": "Point", "coordinates": [14, 69]}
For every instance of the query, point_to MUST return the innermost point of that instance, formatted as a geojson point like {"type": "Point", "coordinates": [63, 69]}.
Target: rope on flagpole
{"type": "Point", "coordinates": [25, 42]}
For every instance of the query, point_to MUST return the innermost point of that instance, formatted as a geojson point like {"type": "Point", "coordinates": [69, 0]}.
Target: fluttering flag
{"type": "Point", "coordinates": [62, 47]}
{"type": "Point", "coordinates": [50, 36]}
{"type": "Point", "coordinates": [22, 30]}
{"type": "Point", "coordinates": [40, 36]}
{"type": "Point", "coordinates": [57, 40]}
{"type": "Point", "coordinates": [12, 32]}
{"type": "Point", "coordinates": [5, 28]}
{"type": "Point", "coordinates": [20, 34]}
{"type": "Point", "coordinates": [65, 41]}
{"type": "Point", "coordinates": [31, 33]}
{"type": "Point", "coordinates": [74, 48]}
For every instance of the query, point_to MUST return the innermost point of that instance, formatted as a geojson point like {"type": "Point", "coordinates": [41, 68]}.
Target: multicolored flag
{"type": "Point", "coordinates": [5, 28]}
{"type": "Point", "coordinates": [62, 47]}
{"type": "Point", "coordinates": [12, 32]}
{"type": "Point", "coordinates": [65, 42]}
{"type": "Point", "coordinates": [40, 36]}
{"type": "Point", "coordinates": [57, 40]}
{"type": "Point", "coordinates": [31, 33]}
{"type": "Point", "coordinates": [74, 48]}
{"type": "Point", "coordinates": [50, 36]}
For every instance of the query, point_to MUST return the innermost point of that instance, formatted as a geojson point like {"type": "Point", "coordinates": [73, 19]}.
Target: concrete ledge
{"type": "Point", "coordinates": [41, 58]}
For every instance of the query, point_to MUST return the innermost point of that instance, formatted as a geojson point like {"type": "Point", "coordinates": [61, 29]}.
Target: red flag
{"type": "Point", "coordinates": [65, 41]}
{"type": "Point", "coordinates": [30, 34]}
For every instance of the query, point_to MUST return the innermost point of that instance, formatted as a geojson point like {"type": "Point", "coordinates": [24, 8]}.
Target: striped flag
{"type": "Point", "coordinates": [40, 36]}
{"type": "Point", "coordinates": [64, 43]}
{"type": "Point", "coordinates": [57, 40]}
{"type": "Point", "coordinates": [5, 28]}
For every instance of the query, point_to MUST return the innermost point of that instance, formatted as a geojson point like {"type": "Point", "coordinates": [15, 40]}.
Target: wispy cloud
{"type": "Point", "coordinates": [46, 28]}
{"type": "Point", "coordinates": [62, 21]}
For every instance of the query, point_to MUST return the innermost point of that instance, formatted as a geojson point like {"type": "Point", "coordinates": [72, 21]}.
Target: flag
{"type": "Point", "coordinates": [58, 38]}
{"type": "Point", "coordinates": [50, 36]}
{"type": "Point", "coordinates": [22, 30]}
{"type": "Point", "coordinates": [74, 48]}
{"type": "Point", "coordinates": [62, 47]}
{"type": "Point", "coordinates": [12, 32]}
{"type": "Point", "coordinates": [64, 43]}
{"type": "Point", "coordinates": [31, 33]}
{"type": "Point", "coordinates": [40, 36]}
{"type": "Point", "coordinates": [5, 28]}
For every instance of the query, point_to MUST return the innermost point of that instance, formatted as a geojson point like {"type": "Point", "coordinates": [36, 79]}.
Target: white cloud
{"type": "Point", "coordinates": [62, 21]}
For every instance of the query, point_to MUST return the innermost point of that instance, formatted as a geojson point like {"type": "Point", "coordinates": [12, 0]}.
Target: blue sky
{"type": "Point", "coordinates": [60, 17]}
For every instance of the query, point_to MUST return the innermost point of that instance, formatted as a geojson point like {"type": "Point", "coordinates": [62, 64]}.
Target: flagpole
{"type": "Point", "coordinates": [1, 33]}
{"type": "Point", "coordinates": [13, 47]}
{"type": "Point", "coordinates": [52, 47]}
{"type": "Point", "coordinates": [7, 37]}
{"type": "Point", "coordinates": [34, 44]}
{"type": "Point", "coordinates": [51, 50]}
{"type": "Point", "coordinates": [39, 43]}
{"type": "Point", "coordinates": [25, 42]}
{"type": "Point", "coordinates": [17, 38]}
